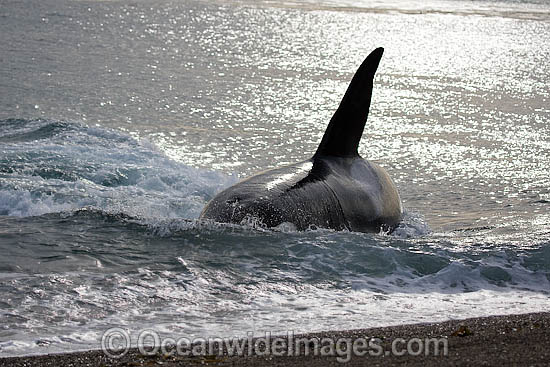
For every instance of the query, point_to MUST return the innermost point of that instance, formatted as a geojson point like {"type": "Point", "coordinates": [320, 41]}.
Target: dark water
{"type": "Point", "coordinates": [120, 120]}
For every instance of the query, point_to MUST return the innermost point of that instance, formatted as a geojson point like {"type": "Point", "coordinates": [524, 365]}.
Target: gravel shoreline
{"type": "Point", "coordinates": [496, 340]}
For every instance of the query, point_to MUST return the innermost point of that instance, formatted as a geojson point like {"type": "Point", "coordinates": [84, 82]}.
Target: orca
{"type": "Point", "coordinates": [335, 189]}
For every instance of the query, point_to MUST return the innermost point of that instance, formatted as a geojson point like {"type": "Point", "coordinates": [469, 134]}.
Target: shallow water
{"type": "Point", "coordinates": [119, 120]}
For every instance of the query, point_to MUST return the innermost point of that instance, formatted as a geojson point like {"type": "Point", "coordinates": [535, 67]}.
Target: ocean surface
{"type": "Point", "coordinates": [119, 120]}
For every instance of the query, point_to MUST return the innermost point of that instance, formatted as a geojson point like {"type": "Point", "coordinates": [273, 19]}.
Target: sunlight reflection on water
{"type": "Point", "coordinates": [459, 106]}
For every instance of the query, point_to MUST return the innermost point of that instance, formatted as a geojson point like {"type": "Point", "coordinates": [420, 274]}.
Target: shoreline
{"type": "Point", "coordinates": [522, 339]}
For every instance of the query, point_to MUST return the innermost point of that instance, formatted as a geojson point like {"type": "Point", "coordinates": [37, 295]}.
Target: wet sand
{"type": "Point", "coordinates": [522, 340]}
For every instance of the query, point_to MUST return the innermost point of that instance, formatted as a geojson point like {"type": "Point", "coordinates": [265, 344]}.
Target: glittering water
{"type": "Point", "coordinates": [119, 120]}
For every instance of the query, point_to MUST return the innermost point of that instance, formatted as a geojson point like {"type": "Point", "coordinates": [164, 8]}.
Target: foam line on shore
{"type": "Point", "coordinates": [513, 339]}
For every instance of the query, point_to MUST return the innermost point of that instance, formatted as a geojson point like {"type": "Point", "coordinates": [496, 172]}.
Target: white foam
{"type": "Point", "coordinates": [107, 170]}
{"type": "Point", "coordinates": [413, 224]}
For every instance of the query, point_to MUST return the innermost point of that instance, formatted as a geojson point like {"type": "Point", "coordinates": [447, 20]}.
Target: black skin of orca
{"type": "Point", "coordinates": [335, 189]}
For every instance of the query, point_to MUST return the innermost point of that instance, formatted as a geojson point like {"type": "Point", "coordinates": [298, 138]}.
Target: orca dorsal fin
{"type": "Point", "coordinates": [346, 126]}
